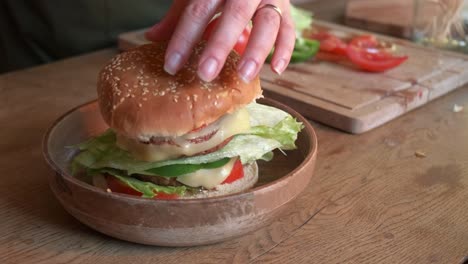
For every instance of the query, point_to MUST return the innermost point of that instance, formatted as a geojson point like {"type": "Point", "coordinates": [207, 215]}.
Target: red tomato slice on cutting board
{"type": "Point", "coordinates": [329, 42]}
{"type": "Point", "coordinates": [373, 62]}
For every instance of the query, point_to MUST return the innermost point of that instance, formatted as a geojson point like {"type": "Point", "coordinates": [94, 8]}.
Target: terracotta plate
{"type": "Point", "coordinates": [174, 222]}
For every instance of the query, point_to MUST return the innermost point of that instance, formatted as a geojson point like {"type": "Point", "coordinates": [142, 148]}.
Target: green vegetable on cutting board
{"type": "Point", "coordinates": [304, 49]}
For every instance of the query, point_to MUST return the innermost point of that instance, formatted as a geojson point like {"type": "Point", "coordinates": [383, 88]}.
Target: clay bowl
{"type": "Point", "coordinates": [174, 222]}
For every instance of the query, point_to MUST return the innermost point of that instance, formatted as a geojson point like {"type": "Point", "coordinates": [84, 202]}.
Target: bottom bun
{"type": "Point", "coordinates": [248, 181]}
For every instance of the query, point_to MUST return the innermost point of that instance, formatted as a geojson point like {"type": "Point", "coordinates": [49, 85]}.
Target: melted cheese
{"type": "Point", "coordinates": [227, 126]}
{"type": "Point", "coordinates": [207, 178]}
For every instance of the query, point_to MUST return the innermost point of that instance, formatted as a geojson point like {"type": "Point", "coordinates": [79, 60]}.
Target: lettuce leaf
{"type": "Point", "coordinates": [272, 128]}
{"type": "Point", "coordinates": [263, 115]}
{"type": "Point", "coordinates": [285, 132]}
{"type": "Point", "coordinates": [302, 19]}
{"type": "Point", "coordinates": [248, 147]}
{"type": "Point", "coordinates": [148, 189]}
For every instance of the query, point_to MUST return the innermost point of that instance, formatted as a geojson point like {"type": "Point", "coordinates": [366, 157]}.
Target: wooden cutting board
{"type": "Point", "coordinates": [354, 101]}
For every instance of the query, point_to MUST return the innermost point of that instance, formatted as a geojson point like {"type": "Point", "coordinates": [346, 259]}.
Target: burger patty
{"type": "Point", "coordinates": [170, 141]}
{"type": "Point", "coordinates": [165, 181]}
{"type": "Point", "coordinates": [159, 180]}
{"type": "Point", "coordinates": [213, 149]}
{"type": "Point", "coordinates": [172, 181]}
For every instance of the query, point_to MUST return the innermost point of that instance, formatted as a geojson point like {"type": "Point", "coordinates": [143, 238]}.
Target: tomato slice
{"type": "Point", "coordinates": [365, 42]}
{"type": "Point", "coordinates": [119, 187]}
{"type": "Point", "coordinates": [364, 51]}
{"type": "Point", "coordinates": [236, 173]}
{"type": "Point", "coordinates": [370, 44]}
{"type": "Point", "coordinates": [241, 42]}
{"type": "Point", "coordinates": [329, 42]}
{"type": "Point", "coordinates": [166, 196]}
{"type": "Point", "coordinates": [373, 62]}
{"type": "Point", "coordinates": [334, 45]}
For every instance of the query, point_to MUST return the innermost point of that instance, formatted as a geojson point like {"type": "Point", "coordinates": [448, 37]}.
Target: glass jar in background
{"type": "Point", "coordinates": [441, 24]}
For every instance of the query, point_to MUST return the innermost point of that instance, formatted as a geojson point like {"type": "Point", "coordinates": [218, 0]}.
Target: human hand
{"type": "Point", "coordinates": [186, 21]}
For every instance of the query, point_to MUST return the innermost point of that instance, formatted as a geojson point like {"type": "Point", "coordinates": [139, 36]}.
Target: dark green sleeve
{"type": "Point", "coordinates": [38, 31]}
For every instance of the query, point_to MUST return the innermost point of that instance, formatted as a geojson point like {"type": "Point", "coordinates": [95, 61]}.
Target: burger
{"type": "Point", "coordinates": [176, 136]}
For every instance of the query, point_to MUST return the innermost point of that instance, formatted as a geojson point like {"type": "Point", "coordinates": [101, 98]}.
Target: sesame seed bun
{"type": "Point", "coordinates": [138, 99]}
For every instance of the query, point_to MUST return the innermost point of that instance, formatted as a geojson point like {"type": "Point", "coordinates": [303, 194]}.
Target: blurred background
{"type": "Point", "coordinates": [39, 31]}
{"type": "Point", "coordinates": [438, 23]}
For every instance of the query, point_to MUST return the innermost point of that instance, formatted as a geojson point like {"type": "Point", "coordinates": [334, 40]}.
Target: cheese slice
{"type": "Point", "coordinates": [228, 125]}
{"type": "Point", "coordinates": [207, 178]}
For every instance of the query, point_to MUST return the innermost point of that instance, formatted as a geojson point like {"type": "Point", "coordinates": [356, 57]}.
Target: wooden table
{"type": "Point", "coordinates": [371, 200]}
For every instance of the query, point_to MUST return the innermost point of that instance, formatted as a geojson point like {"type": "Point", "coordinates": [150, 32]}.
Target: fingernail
{"type": "Point", "coordinates": [172, 63]}
{"type": "Point", "coordinates": [208, 69]}
{"type": "Point", "coordinates": [279, 66]}
{"type": "Point", "coordinates": [247, 70]}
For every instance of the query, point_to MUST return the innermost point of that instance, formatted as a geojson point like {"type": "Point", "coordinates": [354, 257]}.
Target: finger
{"type": "Point", "coordinates": [284, 45]}
{"type": "Point", "coordinates": [266, 24]}
{"type": "Point", "coordinates": [164, 29]}
{"type": "Point", "coordinates": [236, 15]}
{"type": "Point", "coordinates": [191, 25]}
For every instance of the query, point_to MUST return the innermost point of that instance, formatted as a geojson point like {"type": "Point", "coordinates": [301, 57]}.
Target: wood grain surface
{"type": "Point", "coordinates": [372, 200]}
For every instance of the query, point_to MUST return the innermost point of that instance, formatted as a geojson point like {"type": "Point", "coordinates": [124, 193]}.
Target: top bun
{"type": "Point", "coordinates": [138, 99]}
